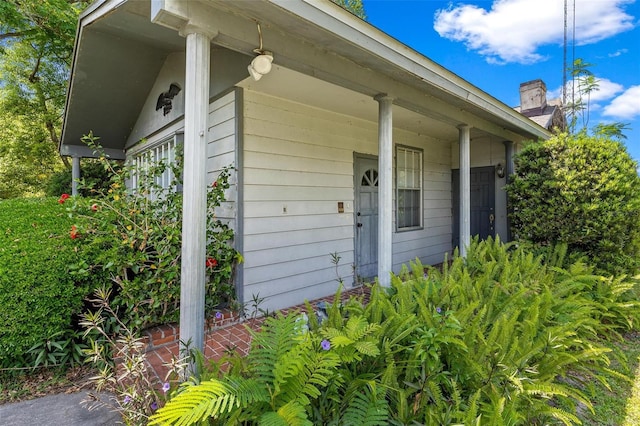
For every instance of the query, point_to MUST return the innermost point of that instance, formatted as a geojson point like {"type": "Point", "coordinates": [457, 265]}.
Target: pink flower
{"type": "Point", "coordinates": [94, 207]}
{"type": "Point", "coordinates": [63, 198]}
{"type": "Point", "coordinates": [214, 184]}
{"type": "Point", "coordinates": [74, 233]}
{"type": "Point", "coordinates": [211, 262]}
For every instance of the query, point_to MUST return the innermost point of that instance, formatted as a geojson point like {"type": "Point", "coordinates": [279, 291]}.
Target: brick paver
{"type": "Point", "coordinates": [221, 335]}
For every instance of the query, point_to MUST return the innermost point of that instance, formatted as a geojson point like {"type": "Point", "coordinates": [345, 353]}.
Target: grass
{"type": "Point", "coordinates": [619, 405]}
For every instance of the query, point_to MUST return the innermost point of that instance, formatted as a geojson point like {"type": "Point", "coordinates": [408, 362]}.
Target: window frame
{"type": "Point", "coordinates": [163, 149]}
{"type": "Point", "coordinates": [420, 189]}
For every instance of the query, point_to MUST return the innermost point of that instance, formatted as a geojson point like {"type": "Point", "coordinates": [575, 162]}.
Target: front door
{"type": "Point", "coordinates": [482, 203]}
{"type": "Point", "coordinates": [366, 216]}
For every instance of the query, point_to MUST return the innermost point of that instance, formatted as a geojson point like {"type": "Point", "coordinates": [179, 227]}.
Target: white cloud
{"type": "Point", "coordinates": [513, 30]}
{"type": "Point", "coordinates": [606, 90]}
{"type": "Point", "coordinates": [618, 53]}
{"type": "Point", "coordinates": [626, 106]}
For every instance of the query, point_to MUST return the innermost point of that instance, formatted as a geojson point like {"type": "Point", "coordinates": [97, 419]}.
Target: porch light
{"type": "Point", "coordinates": [261, 64]}
{"type": "Point", "coordinates": [500, 170]}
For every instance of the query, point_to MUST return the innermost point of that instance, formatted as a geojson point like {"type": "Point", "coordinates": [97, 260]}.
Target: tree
{"type": "Point", "coordinates": [580, 190]}
{"type": "Point", "coordinates": [36, 45]}
{"type": "Point", "coordinates": [354, 6]}
{"type": "Point", "coordinates": [580, 105]}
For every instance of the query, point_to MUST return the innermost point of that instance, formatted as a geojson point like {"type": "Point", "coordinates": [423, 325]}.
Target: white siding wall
{"type": "Point", "coordinates": [221, 151]}
{"type": "Point", "coordinates": [298, 164]}
{"type": "Point", "coordinates": [430, 243]}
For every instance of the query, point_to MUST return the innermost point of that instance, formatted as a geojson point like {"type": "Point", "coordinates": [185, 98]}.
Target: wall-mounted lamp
{"type": "Point", "coordinates": [261, 64]}
{"type": "Point", "coordinates": [500, 170]}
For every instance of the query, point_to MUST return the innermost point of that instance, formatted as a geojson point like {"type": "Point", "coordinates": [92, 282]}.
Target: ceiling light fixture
{"type": "Point", "coordinates": [261, 64]}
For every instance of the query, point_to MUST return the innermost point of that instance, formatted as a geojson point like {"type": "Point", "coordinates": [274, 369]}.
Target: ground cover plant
{"type": "Point", "coordinates": [497, 338]}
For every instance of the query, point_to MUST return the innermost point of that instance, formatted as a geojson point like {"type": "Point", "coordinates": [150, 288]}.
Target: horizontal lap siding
{"type": "Point", "coordinates": [298, 164]}
{"type": "Point", "coordinates": [221, 151]}
{"type": "Point", "coordinates": [432, 242]}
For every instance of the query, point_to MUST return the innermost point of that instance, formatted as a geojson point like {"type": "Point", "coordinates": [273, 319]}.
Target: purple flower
{"type": "Point", "coordinates": [154, 406]}
{"type": "Point", "coordinates": [218, 315]}
{"type": "Point", "coordinates": [166, 387]}
{"type": "Point", "coordinates": [326, 345]}
{"type": "Point", "coordinates": [127, 399]}
{"type": "Point", "coordinates": [439, 310]}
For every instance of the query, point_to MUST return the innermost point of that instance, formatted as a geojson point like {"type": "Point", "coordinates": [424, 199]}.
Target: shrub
{"type": "Point", "coordinates": [38, 293]}
{"type": "Point", "coordinates": [94, 177]}
{"type": "Point", "coordinates": [495, 338]}
{"type": "Point", "coordinates": [583, 191]}
{"type": "Point", "coordinates": [134, 238]}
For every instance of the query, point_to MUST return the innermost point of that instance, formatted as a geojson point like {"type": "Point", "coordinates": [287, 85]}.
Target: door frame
{"type": "Point", "coordinates": [356, 207]}
{"type": "Point", "coordinates": [455, 203]}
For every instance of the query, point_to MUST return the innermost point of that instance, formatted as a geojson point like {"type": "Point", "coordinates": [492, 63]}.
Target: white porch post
{"type": "Point", "coordinates": [465, 189]}
{"type": "Point", "coordinates": [194, 207]}
{"type": "Point", "coordinates": [385, 188]}
{"type": "Point", "coordinates": [509, 170]}
{"type": "Point", "coordinates": [75, 174]}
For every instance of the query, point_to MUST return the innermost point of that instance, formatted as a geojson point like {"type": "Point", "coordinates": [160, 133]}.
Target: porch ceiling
{"type": "Point", "coordinates": [345, 61]}
{"type": "Point", "coordinates": [284, 83]}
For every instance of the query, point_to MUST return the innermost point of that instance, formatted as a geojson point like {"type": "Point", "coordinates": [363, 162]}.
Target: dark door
{"type": "Point", "coordinates": [483, 202]}
{"type": "Point", "coordinates": [366, 216]}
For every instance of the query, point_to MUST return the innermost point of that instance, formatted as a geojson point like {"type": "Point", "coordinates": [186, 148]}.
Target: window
{"type": "Point", "coordinates": [408, 187]}
{"type": "Point", "coordinates": [143, 162]}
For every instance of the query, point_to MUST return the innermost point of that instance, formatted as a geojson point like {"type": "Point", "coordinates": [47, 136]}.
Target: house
{"type": "Point", "coordinates": [534, 105]}
{"type": "Point", "coordinates": [345, 140]}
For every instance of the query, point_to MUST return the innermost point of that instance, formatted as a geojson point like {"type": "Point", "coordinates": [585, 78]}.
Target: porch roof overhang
{"type": "Point", "coordinates": [122, 44]}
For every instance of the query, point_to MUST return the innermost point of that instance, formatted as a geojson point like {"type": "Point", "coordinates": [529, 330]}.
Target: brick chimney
{"type": "Point", "coordinates": [533, 97]}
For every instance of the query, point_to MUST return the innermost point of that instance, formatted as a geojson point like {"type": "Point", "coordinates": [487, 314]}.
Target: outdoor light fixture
{"type": "Point", "coordinates": [500, 170]}
{"type": "Point", "coordinates": [261, 64]}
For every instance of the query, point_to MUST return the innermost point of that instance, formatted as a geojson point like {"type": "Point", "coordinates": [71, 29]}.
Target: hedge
{"type": "Point", "coordinates": [38, 296]}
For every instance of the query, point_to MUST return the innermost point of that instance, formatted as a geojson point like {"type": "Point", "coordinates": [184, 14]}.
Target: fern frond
{"type": "Point", "coordinates": [210, 399]}
{"type": "Point", "coordinates": [368, 407]}
{"type": "Point", "coordinates": [291, 414]}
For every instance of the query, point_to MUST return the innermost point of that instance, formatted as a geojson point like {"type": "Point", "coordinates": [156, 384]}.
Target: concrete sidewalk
{"type": "Point", "coordinates": [61, 409]}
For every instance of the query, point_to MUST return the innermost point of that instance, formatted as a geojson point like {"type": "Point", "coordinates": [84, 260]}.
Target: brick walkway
{"type": "Point", "coordinates": [221, 335]}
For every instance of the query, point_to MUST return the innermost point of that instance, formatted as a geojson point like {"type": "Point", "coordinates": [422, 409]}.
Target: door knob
{"type": "Point", "coordinates": [359, 225]}
{"type": "Point", "coordinates": [491, 218]}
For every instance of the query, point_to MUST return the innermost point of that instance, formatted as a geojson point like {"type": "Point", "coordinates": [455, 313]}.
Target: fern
{"type": "Point", "coordinates": [210, 399]}
{"type": "Point", "coordinates": [368, 407]}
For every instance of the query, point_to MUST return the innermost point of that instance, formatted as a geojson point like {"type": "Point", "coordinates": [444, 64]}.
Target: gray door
{"type": "Point", "coordinates": [482, 203]}
{"type": "Point", "coordinates": [366, 216]}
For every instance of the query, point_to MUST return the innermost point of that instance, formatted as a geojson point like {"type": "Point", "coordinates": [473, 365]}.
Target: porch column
{"type": "Point", "coordinates": [194, 207]}
{"type": "Point", "coordinates": [509, 170]}
{"type": "Point", "coordinates": [75, 174]}
{"type": "Point", "coordinates": [465, 189]}
{"type": "Point", "coordinates": [385, 188]}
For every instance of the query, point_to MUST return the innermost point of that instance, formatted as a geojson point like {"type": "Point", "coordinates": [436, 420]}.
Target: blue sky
{"type": "Point", "coordinates": [498, 44]}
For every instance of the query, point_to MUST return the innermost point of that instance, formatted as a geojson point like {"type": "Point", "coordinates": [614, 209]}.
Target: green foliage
{"type": "Point", "coordinates": [94, 177]}
{"type": "Point", "coordinates": [583, 191]}
{"type": "Point", "coordinates": [498, 338]}
{"type": "Point", "coordinates": [354, 6]}
{"type": "Point", "coordinates": [35, 56]}
{"type": "Point", "coordinates": [133, 238]}
{"type": "Point", "coordinates": [38, 293]}
{"type": "Point", "coordinates": [118, 353]}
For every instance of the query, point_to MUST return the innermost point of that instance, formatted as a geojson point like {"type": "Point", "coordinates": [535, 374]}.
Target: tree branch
{"type": "Point", "coordinates": [15, 34]}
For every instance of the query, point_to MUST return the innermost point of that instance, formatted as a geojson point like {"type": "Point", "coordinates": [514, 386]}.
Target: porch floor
{"type": "Point", "coordinates": [228, 333]}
